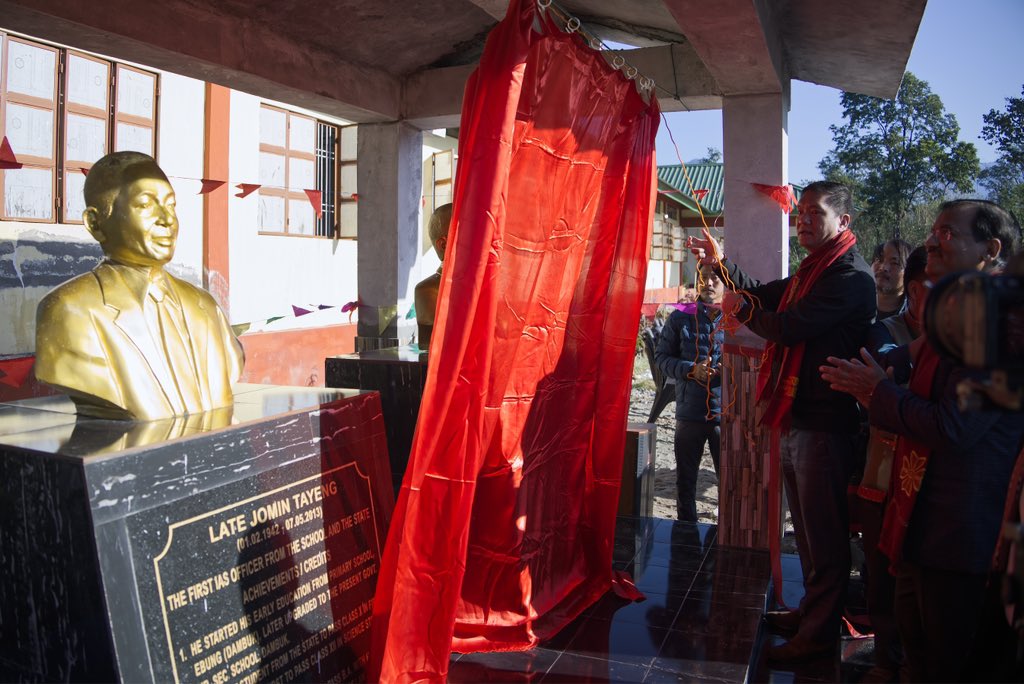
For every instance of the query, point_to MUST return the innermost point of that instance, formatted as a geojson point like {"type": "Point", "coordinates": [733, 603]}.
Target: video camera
{"type": "Point", "coordinates": [977, 320]}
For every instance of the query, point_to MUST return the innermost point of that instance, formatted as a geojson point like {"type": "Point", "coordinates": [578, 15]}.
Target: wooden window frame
{"type": "Point", "coordinates": [60, 163]}
{"type": "Point", "coordinates": [30, 161]}
{"type": "Point", "coordinates": [289, 195]}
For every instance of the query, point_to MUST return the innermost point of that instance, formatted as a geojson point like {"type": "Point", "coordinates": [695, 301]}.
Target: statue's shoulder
{"type": "Point", "coordinates": [81, 290]}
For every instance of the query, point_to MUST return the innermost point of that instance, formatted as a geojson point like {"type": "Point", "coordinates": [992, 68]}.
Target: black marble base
{"type": "Point", "coordinates": [240, 545]}
{"type": "Point", "coordinates": [399, 374]}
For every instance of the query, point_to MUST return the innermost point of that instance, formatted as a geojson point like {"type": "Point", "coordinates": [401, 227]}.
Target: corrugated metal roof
{"type": "Point", "coordinates": [704, 176]}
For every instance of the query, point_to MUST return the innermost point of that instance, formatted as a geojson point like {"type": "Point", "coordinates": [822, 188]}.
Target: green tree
{"type": "Point", "coordinates": [1005, 178]}
{"type": "Point", "coordinates": [712, 156]}
{"type": "Point", "coordinates": [898, 155]}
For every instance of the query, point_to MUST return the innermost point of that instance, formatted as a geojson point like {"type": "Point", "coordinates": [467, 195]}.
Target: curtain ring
{"type": "Point", "coordinates": [572, 25]}
{"type": "Point", "coordinates": [595, 44]}
{"type": "Point", "coordinates": [631, 72]}
{"type": "Point", "coordinates": [544, 4]}
{"type": "Point", "coordinates": [618, 61]}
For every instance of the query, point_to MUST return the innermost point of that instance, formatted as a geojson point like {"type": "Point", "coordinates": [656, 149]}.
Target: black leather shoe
{"type": "Point", "coordinates": [798, 650]}
{"type": "Point", "coordinates": [783, 621]}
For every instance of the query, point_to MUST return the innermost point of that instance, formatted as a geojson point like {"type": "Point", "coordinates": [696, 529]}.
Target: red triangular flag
{"type": "Point", "coordinates": [13, 372]}
{"type": "Point", "coordinates": [85, 171]}
{"type": "Point", "coordinates": [315, 198]}
{"type": "Point", "coordinates": [247, 189]}
{"type": "Point", "coordinates": [210, 185]}
{"type": "Point", "coordinates": [781, 194]}
{"type": "Point", "coordinates": [700, 194]}
{"type": "Point", "coordinates": [299, 311]}
{"type": "Point", "coordinates": [7, 158]}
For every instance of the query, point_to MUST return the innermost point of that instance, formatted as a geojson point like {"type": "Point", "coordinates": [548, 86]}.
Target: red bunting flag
{"type": "Point", "coordinates": [700, 194]}
{"type": "Point", "coordinates": [299, 311]}
{"type": "Point", "coordinates": [781, 194]}
{"type": "Point", "coordinates": [247, 189]}
{"type": "Point", "coordinates": [7, 158]}
{"type": "Point", "coordinates": [14, 372]}
{"type": "Point", "coordinates": [210, 185]}
{"type": "Point", "coordinates": [85, 171]}
{"type": "Point", "coordinates": [316, 199]}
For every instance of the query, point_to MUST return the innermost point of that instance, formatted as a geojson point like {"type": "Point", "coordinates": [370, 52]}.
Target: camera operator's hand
{"type": "Point", "coordinates": [854, 377]}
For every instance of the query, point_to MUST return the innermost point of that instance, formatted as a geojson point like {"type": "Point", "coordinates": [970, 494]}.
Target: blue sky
{"type": "Point", "coordinates": [970, 53]}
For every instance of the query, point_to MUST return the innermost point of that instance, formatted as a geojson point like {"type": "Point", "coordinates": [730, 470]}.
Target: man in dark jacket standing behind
{"type": "Point", "coordinates": [690, 350]}
{"type": "Point", "coordinates": [827, 305]}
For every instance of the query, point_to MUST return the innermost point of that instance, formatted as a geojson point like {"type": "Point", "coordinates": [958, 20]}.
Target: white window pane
{"type": "Point", "coordinates": [135, 93]}
{"type": "Point", "coordinates": [28, 193]}
{"type": "Point", "coordinates": [272, 126]}
{"type": "Point", "coordinates": [301, 174]}
{"type": "Point", "coordinates": [348, 142]}
{"type": "Point", "coordinates": [301, 217]}
{"type": "Point", "coordinates": [30, 70]}
{"type": "Point", "coordinates": [87, 138]}
{"type": "Point", "coordinates": [271, 213]}
{"type": "Point", "coordinates": [348, 180]}
{"type": "Point", "coordinates": [302, 137]}
{"type": "Point", "coordinates": [87, 82]}
{"type": "Point", "coordinates": [347, 214]}
{"type": "Point", "coordinates": [271, 170]}
{"type": "Point", "coordinates": [442, 166]}
{"type": "Point", "coordinates": [134, 138]}
{"type": "Point", "coordinates": [30, 130]}
{"type": "Point", "coordinates": [74, 196]}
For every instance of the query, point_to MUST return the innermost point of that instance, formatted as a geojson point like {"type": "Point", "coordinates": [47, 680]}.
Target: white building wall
{"type": "Point", "coordinates": [181, 125]}
{"type": "Point", "coordinates": [36, 257]}
{"type": "Point", "coordinates": [270, 273]}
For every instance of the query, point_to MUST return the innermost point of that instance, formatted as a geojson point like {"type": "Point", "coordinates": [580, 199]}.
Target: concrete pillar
{"type": "Point", "coordinates": [756, 238]}
{"type": "Point", "coordinates": [390, 183]}
{"type": "Point", "coordinates": [756, 150]}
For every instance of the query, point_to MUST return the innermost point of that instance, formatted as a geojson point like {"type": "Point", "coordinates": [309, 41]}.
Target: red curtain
{"type": "Point", "coordinates": [504, 525]}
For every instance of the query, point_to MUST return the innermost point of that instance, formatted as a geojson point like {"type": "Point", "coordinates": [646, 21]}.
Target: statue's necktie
{"type": "Point", "coordinates": [174, 341]}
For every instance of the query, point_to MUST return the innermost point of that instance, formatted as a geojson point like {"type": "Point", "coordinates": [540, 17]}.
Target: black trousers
{"type": "Point", "coordinates": [938, 613]}
{"type": "Point", "coordinates": [881, 586]}
{"type": "Point", "coordinates": [689, 447]}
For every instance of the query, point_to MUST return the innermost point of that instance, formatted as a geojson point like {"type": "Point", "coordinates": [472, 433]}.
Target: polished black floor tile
{"type": "Point", "coordinates": [618, 641]}
{"type": "Point", "coordinates": [571, 667]}
{"type": "Point", "coordinates": [683, 533]}
{"type": "Point", "coordinates": [663, 579]}
{"type": "Point", "coordinates": [657, 610]}
{"type": "Point", "coordinates": [515, 666]}
{"type": "Point", "coordinates": [698, 671]}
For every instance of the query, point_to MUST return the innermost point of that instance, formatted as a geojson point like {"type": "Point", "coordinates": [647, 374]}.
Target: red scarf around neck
{"type": "Point", "coordinates": [780, 370]}
{"type": "Point", "coordinates": [908, 466]}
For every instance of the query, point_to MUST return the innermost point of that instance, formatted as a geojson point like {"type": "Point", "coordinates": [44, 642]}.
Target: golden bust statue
{"type": "Point", "coordinates": [426, 289]}
{"type": "Point", "coordinates": [128, 340]}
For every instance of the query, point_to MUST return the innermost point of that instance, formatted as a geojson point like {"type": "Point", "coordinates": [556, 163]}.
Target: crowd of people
{"type": "Point", "coordinates": [857, 394]}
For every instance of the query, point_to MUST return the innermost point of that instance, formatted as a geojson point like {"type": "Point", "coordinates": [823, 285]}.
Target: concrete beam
{"type": "Point", "coordinates": [433, 98]}
{"type": "Point", "coordinates": [197, 41]}
{"type": "Point", "coordinates": [737, 40]}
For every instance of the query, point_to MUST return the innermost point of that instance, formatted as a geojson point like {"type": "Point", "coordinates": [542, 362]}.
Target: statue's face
{"type": "Point", "coordinates": [143, 226]}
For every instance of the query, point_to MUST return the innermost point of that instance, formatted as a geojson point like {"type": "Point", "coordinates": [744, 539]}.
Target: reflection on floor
{"type": "Point", "coordinates": [701, 621]}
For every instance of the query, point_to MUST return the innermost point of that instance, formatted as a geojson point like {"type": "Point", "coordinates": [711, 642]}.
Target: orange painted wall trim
{"type": "Point", "coordinates": [216, 274]}
{"type": "Point", "coordinates": [294, 357]}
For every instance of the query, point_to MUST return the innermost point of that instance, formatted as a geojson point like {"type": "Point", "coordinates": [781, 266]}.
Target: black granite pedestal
{"type": "Point", "coordinates": [239, 545]}
{"type": "Point", "coordinates": [399, 374]}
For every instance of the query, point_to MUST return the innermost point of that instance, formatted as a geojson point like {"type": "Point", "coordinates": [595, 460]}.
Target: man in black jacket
{"type": "Point", "coordinates": [826, 306]}
{"type": "Point", "coordinates": [690, 350]}
{"type": "Point", "coordinates": [951, 470]}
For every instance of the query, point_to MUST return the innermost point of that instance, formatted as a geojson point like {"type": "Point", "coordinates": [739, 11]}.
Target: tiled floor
{"type": "Point", "coordinates": [700, 622]}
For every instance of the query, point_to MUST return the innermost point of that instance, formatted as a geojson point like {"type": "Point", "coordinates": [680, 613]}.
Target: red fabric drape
{"type": "Point", "coordinates": [503, 530]}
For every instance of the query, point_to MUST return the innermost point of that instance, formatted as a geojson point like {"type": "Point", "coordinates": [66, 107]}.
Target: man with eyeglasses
{"type": "Point", "coordinates": [951, 469]}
